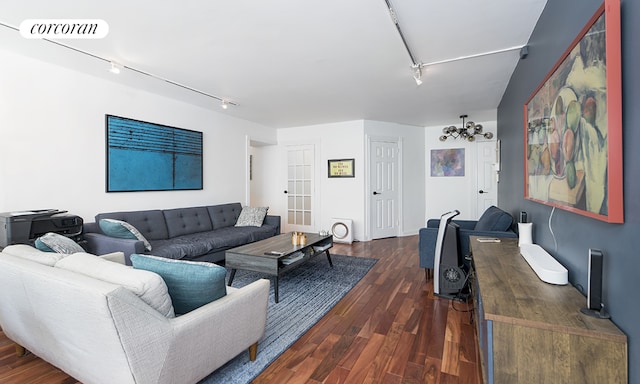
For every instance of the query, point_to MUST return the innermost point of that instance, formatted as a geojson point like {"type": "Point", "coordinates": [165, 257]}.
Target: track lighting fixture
{"type": "Point", "coordinates": [417, 73]}
{"type": "Point", "coordinates": [224, 104]}
{"type": "Point", "coordinates": [115, 68]}
{"type": "Point", "coordinates": [468, 131]}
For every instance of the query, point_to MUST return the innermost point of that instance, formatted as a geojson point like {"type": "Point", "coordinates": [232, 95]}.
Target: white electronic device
{"type": "Point", "coordinates": [544, 265]}
{"type": "Point", "coordinates": [442, 229]}
{"type": "Point", "coordinates": [342, 230]}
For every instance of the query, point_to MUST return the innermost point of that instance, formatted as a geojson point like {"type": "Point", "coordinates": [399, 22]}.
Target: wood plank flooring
{"type": "Point", "coordinates": [389, 329]}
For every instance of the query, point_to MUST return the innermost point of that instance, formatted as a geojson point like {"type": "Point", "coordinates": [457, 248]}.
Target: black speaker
{"type": "Point", "coordinates": [595, 307]}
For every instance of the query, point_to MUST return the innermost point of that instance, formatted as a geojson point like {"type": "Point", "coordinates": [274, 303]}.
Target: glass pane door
{"type": "Point", "coordinates": [299, 192]}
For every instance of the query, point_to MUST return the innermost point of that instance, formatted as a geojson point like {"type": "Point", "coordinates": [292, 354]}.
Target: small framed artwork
{"type": "Point", "coordinates": [573, 125]}
{"type": "Point", "coordinates": [342, 168]}
{"type": "Point", "coordinates": [447, 162]}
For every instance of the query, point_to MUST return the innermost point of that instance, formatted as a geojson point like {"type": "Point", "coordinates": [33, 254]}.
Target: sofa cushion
{"type": "Point", "coordinates": [252, 216]}
{"type": "Point", "coordinates": [494, 219]}
{"type": "Point", "coordinates": [191, 284]}
{"type": "Point", "coordinates": [147, 285]}
{"type": "Point", "coordinates": [202, 243]}
{"type": "Point", "coordinates": [150, 223]}
{"type": "Point", "coordinates": [54, 242]}
{"type": "Point", "coordinates": [122, 230]}
{"type": "Point", "coordinates": [224, 215]}
{"type": "Point", "coordinates": [30, 253]}
{"type": "Point", "coordinates": [184, 221]}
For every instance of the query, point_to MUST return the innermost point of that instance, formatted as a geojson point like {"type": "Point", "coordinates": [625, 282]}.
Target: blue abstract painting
{"type": "Point", "coordinates": [144, 156]}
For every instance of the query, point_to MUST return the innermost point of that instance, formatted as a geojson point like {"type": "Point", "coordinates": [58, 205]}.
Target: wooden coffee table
{"type": "Point", "coordinates": [256, 256]}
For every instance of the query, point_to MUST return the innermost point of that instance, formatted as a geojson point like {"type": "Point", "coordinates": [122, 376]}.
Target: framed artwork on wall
{"type": "Point", "coordinates": [342, 168]}
{"type": "Point", "coordinates": [144, 156]}
{"type": "Point", "coordinates": [447, 162]}
{"type": "Point", "coordinates": [573, 125]}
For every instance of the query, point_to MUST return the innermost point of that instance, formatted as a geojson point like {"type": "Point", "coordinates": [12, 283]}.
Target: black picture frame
{"type": "Point", "coordinates": [341, 168]}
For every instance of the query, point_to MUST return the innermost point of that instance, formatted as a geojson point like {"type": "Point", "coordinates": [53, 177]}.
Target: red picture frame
{"type": "Point", "coordinates": [573, 125]}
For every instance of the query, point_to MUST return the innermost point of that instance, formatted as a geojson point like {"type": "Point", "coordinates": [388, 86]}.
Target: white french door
{"type": "Point", "coordinates": [487, 181]}
{"type": "Point", "coordinates": [300, 189]}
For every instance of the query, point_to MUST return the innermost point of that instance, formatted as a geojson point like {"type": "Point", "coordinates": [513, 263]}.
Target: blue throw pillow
{"type": "Point", "coordinates": [494, 219]}
{"type": "Point", "coordinates": [191, 284]}
{"type": "Point", "coordinates": [122, 230]}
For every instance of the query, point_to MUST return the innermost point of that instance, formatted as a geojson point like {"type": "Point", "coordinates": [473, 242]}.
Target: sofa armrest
{"type": "Point", "coordinates": [428, 236]}
{"type": "Point", "coordinates": [100, 244]}
{"type": "Point", "coordinates": [116, 257]}
{"type": "Point", "coordinates": [464, 224]}
{"type": "Point", "coordinates": [91, 228]}
{"type": "Point", "coordinates": [464, 237]}
{"type": "Point", "coordinates": [273, 220]}
{"type": "Point", "coordinates": [189, 347]}
{"type": "Point", "coordinates": [427, 246]}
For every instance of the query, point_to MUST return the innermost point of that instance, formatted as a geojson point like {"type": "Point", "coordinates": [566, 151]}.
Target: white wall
{"type": "Point", "coordinates": [338, 197]}
{"type": "Point", "coordinates": [52, 133]}
{"type": "Point", "coordinates": [444, 194]}
{"type": "Point", "coordinates": [347, 197]}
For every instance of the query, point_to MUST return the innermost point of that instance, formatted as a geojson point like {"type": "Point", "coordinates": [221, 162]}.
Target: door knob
{"type": "Point", "coordinates": [285, 191]}
{"type": "Point", "coordinates": [481, 191]}
{"type": "Point", "coordinates": [376, 193]}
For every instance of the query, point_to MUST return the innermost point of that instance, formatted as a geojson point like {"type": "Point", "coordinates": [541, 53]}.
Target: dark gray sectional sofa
{"type": "Point", "coordinates": [193, 233]}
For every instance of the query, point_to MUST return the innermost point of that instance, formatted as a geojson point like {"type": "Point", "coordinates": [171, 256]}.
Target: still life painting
{"type": "Point", "coordinates": [447, 162]}
{"type": "Point", "coordinates": [573, 127]}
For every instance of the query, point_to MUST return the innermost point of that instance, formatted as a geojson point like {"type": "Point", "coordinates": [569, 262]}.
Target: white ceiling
{"type": "Point", "coordinates": [293, 62]}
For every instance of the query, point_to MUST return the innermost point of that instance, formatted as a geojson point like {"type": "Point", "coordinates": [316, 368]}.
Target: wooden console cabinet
{"type": "Point", "coordinates": [530, 331]}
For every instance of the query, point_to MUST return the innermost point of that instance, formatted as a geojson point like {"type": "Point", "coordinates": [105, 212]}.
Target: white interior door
{"type": "Point", "coordinates": [487, 181]}
{"type": "Point", "coordinates": [383, 181]}
{"type": "Point", "coordinates": [300, 189]}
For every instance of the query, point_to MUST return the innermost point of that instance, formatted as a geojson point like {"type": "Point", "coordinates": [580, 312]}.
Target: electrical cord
{"type": "Point", "coordinates": [555, 242]}
{"type": "Point", "coordinates": [462, 296]}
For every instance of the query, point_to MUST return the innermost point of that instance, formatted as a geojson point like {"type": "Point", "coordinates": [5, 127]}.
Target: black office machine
{"type": "Point", "coordinates": [25, 227]}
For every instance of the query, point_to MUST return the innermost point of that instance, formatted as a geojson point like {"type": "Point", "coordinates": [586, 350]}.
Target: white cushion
{"type": "Point", "coordinates": [55, 242]}
{"type": "Point", "coordinates": [28, 252]}
{"type": "Point", "coordinates": [252, 216]}
{"type": "Point", "coordinates": [116, 257]}
{"type": "Point", "coordinates": [147, 285]}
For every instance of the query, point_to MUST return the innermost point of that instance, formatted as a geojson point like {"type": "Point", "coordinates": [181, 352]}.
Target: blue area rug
{"type": "Point", "coordinates": [306, 294]}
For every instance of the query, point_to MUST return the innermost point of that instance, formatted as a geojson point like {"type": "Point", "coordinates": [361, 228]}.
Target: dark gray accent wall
{"type": "Point", "coordinates": [558, 25]}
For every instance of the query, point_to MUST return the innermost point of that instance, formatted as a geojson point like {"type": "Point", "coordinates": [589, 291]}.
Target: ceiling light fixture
{"type": "Point", "coordinates": [224, 104]}
{"type": "Point", "coordinates": [417, 73]}
{"type": "Point", "coordinates": [415, 65]}
{"type": "Point", "coordinates": [115, 68]}
{"type": "Point", "coordinates": [467, 131]}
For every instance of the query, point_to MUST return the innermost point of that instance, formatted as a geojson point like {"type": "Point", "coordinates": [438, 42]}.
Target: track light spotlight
{"type": "Point", "coordinates": [224, 104]}
{"type": "Point", "coordinates": [115, 68]}
{"type": "Point", "coordinates": [417, 73]}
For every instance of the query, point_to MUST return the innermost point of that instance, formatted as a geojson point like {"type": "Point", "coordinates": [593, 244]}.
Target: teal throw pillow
{"type": "Point", "coordinates": [191, 284]}
{"type": "Point", "coordinates": [54, 242]}
{"type": "Point", "coordinates": [122, 230]}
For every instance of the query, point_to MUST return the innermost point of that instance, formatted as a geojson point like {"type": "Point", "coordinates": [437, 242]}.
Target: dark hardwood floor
{"type": "Point", "coordinates": [389, 329]}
